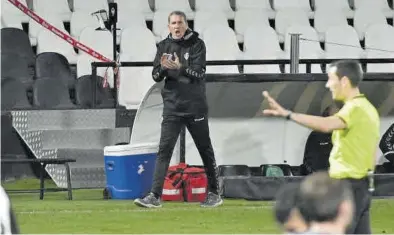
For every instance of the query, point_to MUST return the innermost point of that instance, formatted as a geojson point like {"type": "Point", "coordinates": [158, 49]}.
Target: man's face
{"type": "Point", "coordinates": [177, 26]}
{"type": "Point", "coordinates": [336, 85]}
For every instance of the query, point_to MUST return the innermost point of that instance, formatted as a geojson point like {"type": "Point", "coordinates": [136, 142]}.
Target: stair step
{"type": "Point", "coordinates": [88, 177]}
{"type": "Point", "coordinates": [84, 139]}
{"type": "Point", "coordinates": [83, 156]}
{"type": "Point", "coordinates": [68, 119]}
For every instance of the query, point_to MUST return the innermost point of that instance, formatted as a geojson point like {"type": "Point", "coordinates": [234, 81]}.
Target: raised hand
{"type": "Point", "coordinates": [275, 109]}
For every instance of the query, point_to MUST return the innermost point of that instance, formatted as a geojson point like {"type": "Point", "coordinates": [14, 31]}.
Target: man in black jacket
{"type": "Point", "coordinates": [180, 62]}
{"type": "Point", "coordinates": [386, 144]}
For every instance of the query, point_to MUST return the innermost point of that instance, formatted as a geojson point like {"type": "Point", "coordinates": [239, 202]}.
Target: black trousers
{"type": "Point", "coordinates": [362, 198]}
{"type": "Point", "coordinates": [199, 130]}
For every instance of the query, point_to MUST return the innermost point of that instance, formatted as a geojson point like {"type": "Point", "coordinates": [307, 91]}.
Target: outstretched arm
{"type": "Point", "coordinates": [317, 123]}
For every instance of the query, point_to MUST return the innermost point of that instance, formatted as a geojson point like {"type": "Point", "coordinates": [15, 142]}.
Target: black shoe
{"type": "Point", "coordinates": [212, 200]}
{"type": "Point", "coordinates": [149, 201]}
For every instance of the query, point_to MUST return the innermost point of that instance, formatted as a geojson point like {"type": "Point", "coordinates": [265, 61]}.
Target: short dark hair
{"type": "Point", "coordinates": [178, 13]}
{"type": "Point", "coordinates": [349, 68]}
{"type": "Point", "coordinates": [285, 202]}
{"type": "Point", "coordinates": [320, 197]}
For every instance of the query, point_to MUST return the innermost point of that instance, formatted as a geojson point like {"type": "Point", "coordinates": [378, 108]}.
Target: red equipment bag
{"type": "Point", "coordinates": [185, 183]}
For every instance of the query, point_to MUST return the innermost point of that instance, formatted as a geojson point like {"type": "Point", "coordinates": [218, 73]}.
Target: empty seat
{"type": "Point", "coordinates": [90, 6]}
{"type": "Point", "coordinates": [261, 43]}
{"type": "Point", "coordinates": [84, 91]}
{"type": "Point", "coordinates": [234, 170]}
{"type": "Point", "coordinates": [379, 44]}
{"type": "Point", "coordinates": [10, 21]}
{"type": "Point", "coordinates": [365, 17]}
{"type": "Point", "coordinates": [217, 6]}
{"type": "Point", "coordinates": [172, 5]}
{"type": "Point", "coordinates": [49, 42]}
{"type": "Point", "coordinates": [287, 17]}
{"type": "Point", "coordinates": [13, 94]}
{"type": "Point", "coordinates": [81, 20]}
{"type": "Point", "coordinates": [141, 6]}
{"type": "Point", "coordinates": [35, 28]}
{"type": "Point", "coordinates": [309, 46]}
{"type": "Point", "coordinates": [293, 4]}
{"type": "Point", "coordinates": [16, 67]}
{"type": "Point", "coordinates": [276, 170]}
{"type": "Point", "coordinates": [8, 8]}
{"type": "Point", "coordinates": [160, 24]}
{"type": "Point", "coordinates": [129, 20]}
{"type": "Point", "coordinates": [16, 41]}
{"type": "Point", "coordinates": [138, 43]}
{"type": "Point", "coordinates": [54, 65]}
{"type": "Point", "coordinates": [342, 42]}
{"type": "Point", "coordinates": [134, 84]}
{"type": "Point", "coordinates": [221, 44]}
{"type": "Point", "coordinates": [380, 5]}
{"type": "Point", "coordinates": [263, 6]}
{"type": "Point", "coordinates": [247, 17]}
{"type": "Point", "coordinates": [334, 6]}
{"type": "Point", "coordinates": [58, 7]}
{"type": "Point", "coordinates": [49, 93]}
{"type": "Point", "coordinates": [204, 19]}
{"type": "Point", "coordinates": [99, 40]}
{"type": "Point", "coordinates": [325, 19]}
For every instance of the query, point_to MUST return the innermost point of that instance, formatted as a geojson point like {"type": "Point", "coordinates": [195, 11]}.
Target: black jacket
{"type": "Point", "coordinates": [184, 90]}
{"type": "Point", "coordinates": [317, 152]}
{"type": "Point", "coordinates": [387, 142]}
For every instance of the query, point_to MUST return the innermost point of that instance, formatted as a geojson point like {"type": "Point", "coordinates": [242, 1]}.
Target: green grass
{"type": "Point", "coordinates": [89, 213]}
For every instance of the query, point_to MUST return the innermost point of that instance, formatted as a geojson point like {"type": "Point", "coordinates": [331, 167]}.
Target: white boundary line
{"type": "Point", "coordinates": [222, 208]}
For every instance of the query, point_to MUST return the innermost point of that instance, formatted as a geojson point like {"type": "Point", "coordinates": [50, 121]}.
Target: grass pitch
{"type": "Point", "coordinates": [89, 213]}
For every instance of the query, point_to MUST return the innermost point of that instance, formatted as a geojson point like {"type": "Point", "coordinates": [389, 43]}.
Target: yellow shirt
{"type": "Point", "coordinates": [353, 152]}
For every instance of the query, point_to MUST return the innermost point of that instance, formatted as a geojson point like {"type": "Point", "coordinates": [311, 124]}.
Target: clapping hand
{"type": "Point", "coordinates": [275, 109]}
{"type": "Point", "coordinates": [168, 63]}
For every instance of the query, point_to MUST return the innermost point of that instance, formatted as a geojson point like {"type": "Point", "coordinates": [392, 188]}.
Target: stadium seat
{"type": "Point", "coordinates": [287, 17]}
{"type": "Point", "coordinates": [13, 94]}
{"type": "Point", "coordinates": [247, 17]}
{"type": "Point", "coordinates": [221, 44]}
{"type": "Point", "coordinates": [309, 48]}
{"type": "Point", "coordinates": [365, 17]}
{"type": "Point", "coordinates": [16, 67]}
{"type": "Point", "coordinates": [216, 6]}
{"type": "Point", "coordinates": [8, 9]}
{"type": "Point", "coordinates": [83, 93]}
{"type": "Point", "coordinates": [58, 7]}
{"type": "Point", "coordinates": [263, 6]}
{"type": "Point", "coordinates": [204, 19]}
{"type": "Point", "coordinates": [49, 42]}
{"type": "Point", "coordinates": [325, 19]}
{"type": "Point", "coordinates": [98, 40]}
{"type": "Point", "coordinates": [16, 41]}
{"type": "Point", "coordinates": [10, 21]}
{"type": "Point", "coordinates": [160, 25]}
{"type": "Point", "coordinates": [35, 28]}
{"type": "Point", "coordinates": [343, 42]}
{"type": "Point", "coordinates": [261, 43]}
{"type": "Point", "coordinates": [54, 65]}
{"type": "Point", "coordinates": [141, 6]}
{"type": "Point", "coordinates": [380, 5]}
{"type": "Point", "coordinates": [234, 170]}
{"type": "Point", "coordinates": [129, 20]}
{"type": "Point", "coordinates": [90, 6]}
{"type": "Point", "coordinates": [49, 93]}
{"type": "Point", "coordinates": [138, 43]}
{"type": "Point", "coordinates": [134, 83]}
{"type": "Point", "coordinates": [270, 170]}
{"type": "Point", "coordinates": [80, 21]}
{"type": "Point", "coordinates": [84, 67]}
{"type": "Point", "coordinates": [172, 5]}
{"type": "Point", "coordinates": [379, 44]}
{"type": "Point", "coordinates": [303, 5]}
{"type": "Point", "coordinates": [341, 6]}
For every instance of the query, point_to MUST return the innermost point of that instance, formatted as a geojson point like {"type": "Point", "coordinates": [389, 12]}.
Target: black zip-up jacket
{"type": "Point", "coordinates": [387, 142]}
{"type": "Point", "coordinates": [184, 89]}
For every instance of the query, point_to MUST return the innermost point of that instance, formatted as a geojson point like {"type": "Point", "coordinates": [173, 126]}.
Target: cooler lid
{"type": "Point", "coordinates": [131, 149]}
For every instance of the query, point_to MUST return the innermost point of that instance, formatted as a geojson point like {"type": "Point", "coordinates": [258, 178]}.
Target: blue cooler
{"type": "Point", "coordinates": [129, 170]}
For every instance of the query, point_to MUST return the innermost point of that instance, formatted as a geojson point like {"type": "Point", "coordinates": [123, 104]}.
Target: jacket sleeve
{"type": "Point", "coordinates": [158, 73]}
{"type": "Point", "coordinates": [197, 62]}
{"type": "Point", "coordinates": [387, 142]}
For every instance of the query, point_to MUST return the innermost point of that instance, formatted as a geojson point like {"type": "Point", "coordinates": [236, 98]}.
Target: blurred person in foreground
{"type": "Point", "coordinates": [286, 212]}
{"type": "Point", "coordinates": [326, 204]}
{"type": "Point", "coordinates": [8, 223]}
{"type": "Point", "coordinates": [181, 61]}
{"type": "Point", "coordinates": [355, 135]}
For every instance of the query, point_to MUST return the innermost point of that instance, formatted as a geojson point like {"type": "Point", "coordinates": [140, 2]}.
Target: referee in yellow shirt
{"type": "Point", "coordinates": [355, 135]}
